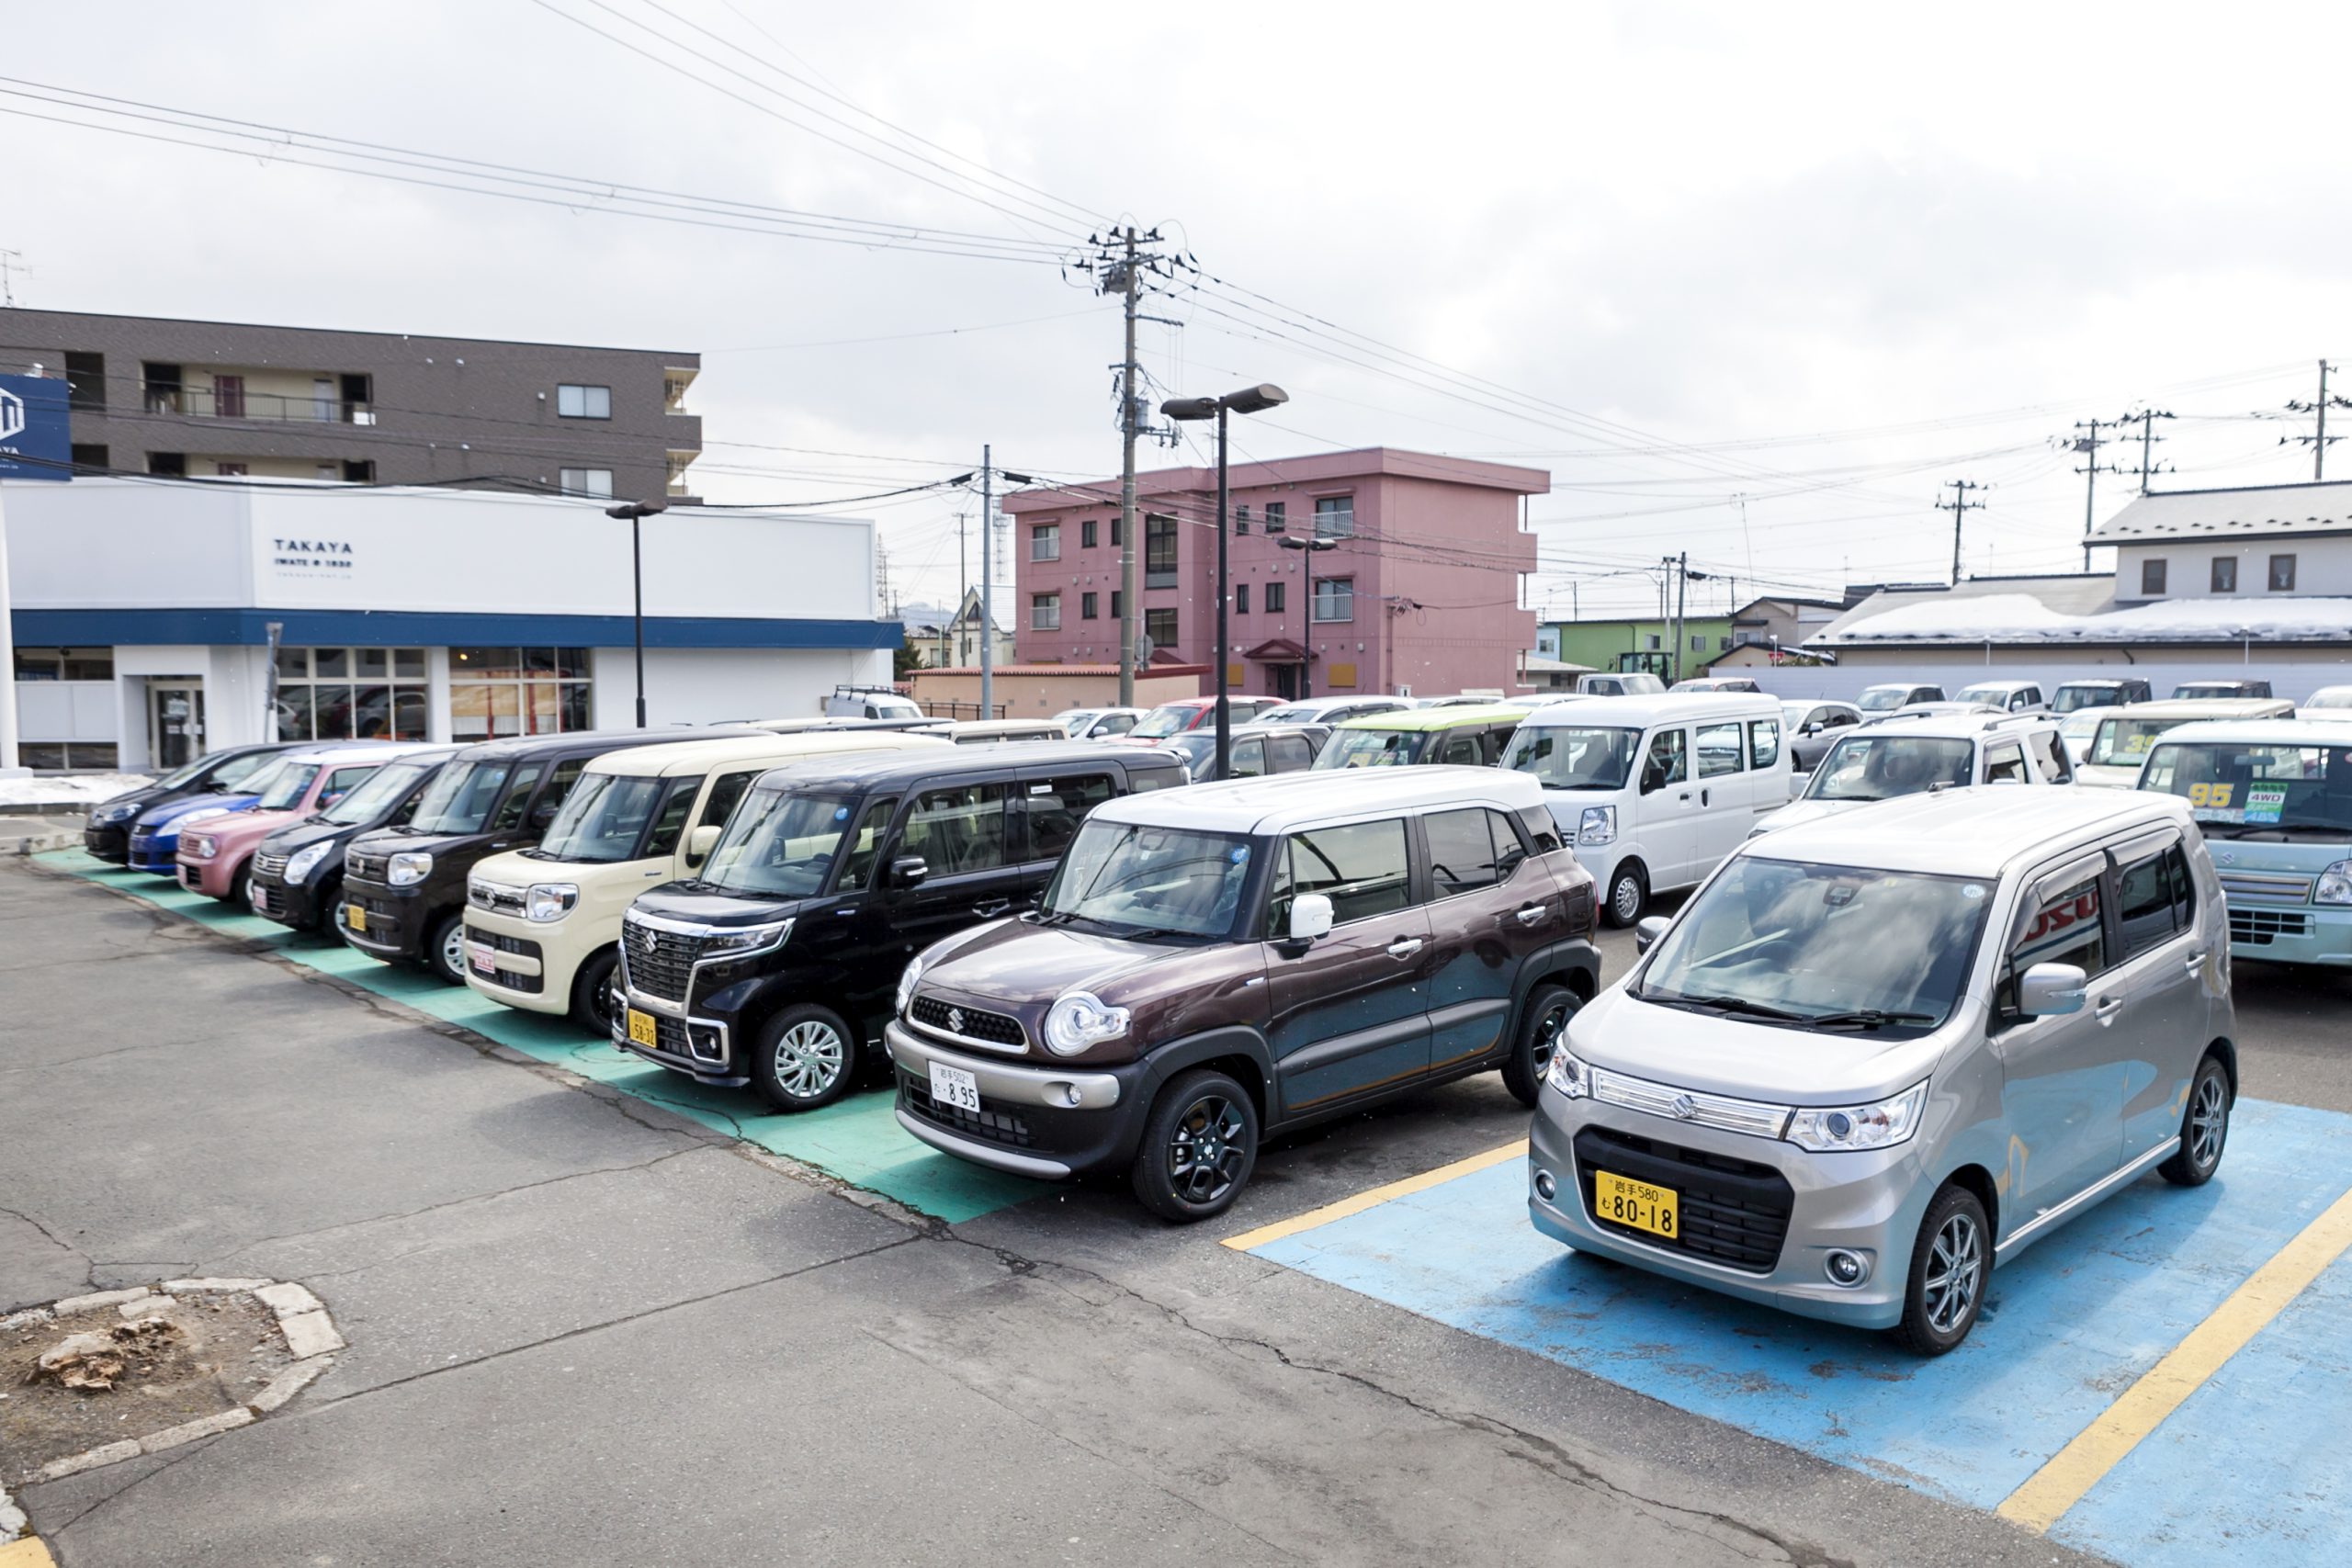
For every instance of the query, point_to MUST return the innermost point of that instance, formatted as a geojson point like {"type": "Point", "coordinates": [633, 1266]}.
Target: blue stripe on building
{"type": "Point", "coordinates": [414, 628]}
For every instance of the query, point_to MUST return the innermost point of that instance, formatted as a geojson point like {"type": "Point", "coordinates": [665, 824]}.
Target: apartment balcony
{"type": "Point", "coordinates": [272, 408]}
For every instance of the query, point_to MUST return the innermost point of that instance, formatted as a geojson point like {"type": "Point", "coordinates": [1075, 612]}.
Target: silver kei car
{"type": "Point", "coordinates": [1878, 1054]}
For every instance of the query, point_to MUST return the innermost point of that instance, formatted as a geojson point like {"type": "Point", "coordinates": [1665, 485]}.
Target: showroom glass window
{"type": "Point", "coordinates": [498, 692]}
{"type": "Point", "coordinates": [351, 693]}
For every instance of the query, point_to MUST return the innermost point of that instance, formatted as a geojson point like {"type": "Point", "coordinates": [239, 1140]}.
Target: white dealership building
{"type": "Point", "coordinates": [144, 614]}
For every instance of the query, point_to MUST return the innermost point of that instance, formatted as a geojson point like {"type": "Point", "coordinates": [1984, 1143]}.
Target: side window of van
{"type": "Point", "coordinates": [1362, 868]}
{"type": "Point", "coordinates": [671, 824]}
{"type": "Point", "coordinates": [2064, 928]}
{"type": "Point", "coordinates": [1461, 748]}
{"type": "Point", "coordinates": [1054, 808]}
{"type": "Point", "coordinates": [1249, 759]}
{"type": "Point", "coordinates": [2050, 756]}
{"type": "Point", "coordinates": [1142, 779]}
{"type": "Point", "coordinates": [1764, 741]}
{"type": "Point", "coordinates": [957, 828]}
{"type": "Point", "coordinates": [1719, 749]}
{"type": "Point", "coordinates": [1666, 764]}
{"type": "Point", "coordinates": [865, 844]}
{"type": "Point", "coordinates": [2004, 764]}
{"type": "Point", "coordinates": [724, 792]}
{"type": "Point", "coordinates": [2144, 905]}
{"type": "Point", "coordinates": [509, 814]}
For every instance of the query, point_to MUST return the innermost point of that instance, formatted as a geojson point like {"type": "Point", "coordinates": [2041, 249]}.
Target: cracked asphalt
{"type": "Point", "coordinates": [583, 1329]}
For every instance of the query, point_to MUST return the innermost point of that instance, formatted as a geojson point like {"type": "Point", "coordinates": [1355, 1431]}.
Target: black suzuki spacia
{"type": "Point", "coordinates": [778, 966]}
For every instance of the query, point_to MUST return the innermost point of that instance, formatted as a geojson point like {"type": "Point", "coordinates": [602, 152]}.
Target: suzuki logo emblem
{"type": "Point", "coordinates": [1683, 1106]}
{"type": "Point", "coordinates": [955, 1020]}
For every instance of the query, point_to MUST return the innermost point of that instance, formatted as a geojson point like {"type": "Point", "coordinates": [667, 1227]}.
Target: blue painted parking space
{"type": "Point", "coordinates": [2256, 1463]}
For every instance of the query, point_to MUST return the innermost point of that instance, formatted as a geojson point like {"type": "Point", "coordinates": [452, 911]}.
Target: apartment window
{"type": "Point", "coordinates": [1277, 516]}
{"type": "Point", "coordinates": [1335, 516]}
{"type": "Point", "coordinates": [1335, 598]}
{"type": "Point", "coordinates": [1044, 612]}
{"type": "Point", "coordinates": [1240, 598]}
{"type": "Point", "coordinates": [1086, 534]}
{"type": "Point", "coordinates": [2225, 574]}
{"type": "Point", "coordinates": [1159, 552]}
{"type": "Point", "coordinates": [584, 402]}
{"type": "Point", "coordinates": [1118, 604]}
{"type": "Point", "coordinates": [1045, 542]}
{"type": "Point", "coordinates": [66, 664]}
{"type": "Point", "coordinates": [597, 482]}
{"type": "Point", "coordinates": [1277, 597]}
{"type": "Point", "coordinates": [90, 455]}
{"type": "Point", "coordinates": [2152, 577]}
{"type": "Point", "coordinates": [86, 381]}
{"type": "Point", "coordinates": [2282, 574]}
{"type": "Point", "coordinates": [1118, 534]}
{"type": "Point", "coordinates": [1161, 627]}
{"type": "Point", "coordinates": [351, 693]}
{"type": "Point", "coordinates": [1241, 519]}
{"type": "Point", "coordinates": [496, 691]}
{"type": "Point", "coordinates": [1086, 603]}
{"type": "Point", "coordinates": [174, 463]}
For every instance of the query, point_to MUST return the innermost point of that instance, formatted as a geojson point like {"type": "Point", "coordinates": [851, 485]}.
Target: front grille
{"type": "Point", "coordinates": [995, 1027]}
{"type": "Point", "coordinates": [372, 867]}
{"type": "Point", "coordinates": [1732, 1212]}
{"type": "Point", "coordinates": [659, 962]}
{"type": "Point", "coordinates": [669, 1034]}
{"type": "Point", "coordinates": [269, 865]}
{"type": "Point", "coordinates": [1001, 1127]}
{"type": "Point", "coordinates": [511, 979]}
{"type": "Point", "coordinates": [519, 945]}
{"type": "Point", "coordinates": [2278, 887]}
{"type": "Point", "coordinates": [2260, 927]}
{"type": "Point", "coordinates": [1752, 1117]}
{"type": "Point", "coordinates": [497, 900]}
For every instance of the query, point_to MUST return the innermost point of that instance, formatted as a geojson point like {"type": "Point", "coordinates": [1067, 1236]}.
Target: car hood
{"type": "Point", "coordinates": [170, 811]}
{"type": "Point", "coordinates": [1746, 1058]}
{"type": "Point", "coordinates": [703, 906]}
{"type": "Point", "coordinates": [394, 842]}
{"type": "Point", "coordinates": [1802, 811]}
{"type": "Point", "coordinates": [1012, 961]}
{"type": "Point", "coordinates": [250, 823]}
{"type": "Point", "coordinates": [301, 835]}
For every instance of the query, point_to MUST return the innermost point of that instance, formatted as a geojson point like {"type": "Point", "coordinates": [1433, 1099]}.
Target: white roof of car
{"type": "Point", "coordinates": [1977, 832]}
{"type": "Point", "coordinates": [1655, 707]}
{"type": "Point", "coordinates": [1957, 725]}
{"type": "Point", "coordinates": [1325, 704]}
{"type": "Point", "coordinates": [359, 751]}
{"type": "Point", "coordinates": [1286, 802]}
{"type": "Point", "coordinates": [2000, 685]}
{"type": "Point", "coordinates": [2284, 731]}
{"type": "Point", "coordinates": [669, 758]}
{"type": "Point", "coordinates": [2203, 707]}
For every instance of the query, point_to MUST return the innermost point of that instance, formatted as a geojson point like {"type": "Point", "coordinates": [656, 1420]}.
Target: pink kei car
{"type": "Point", "coordinates": [216, 854]}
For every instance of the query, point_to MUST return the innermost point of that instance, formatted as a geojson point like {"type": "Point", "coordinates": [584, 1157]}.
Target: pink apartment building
{"type": "Point", "coordinates": [1420, 593]}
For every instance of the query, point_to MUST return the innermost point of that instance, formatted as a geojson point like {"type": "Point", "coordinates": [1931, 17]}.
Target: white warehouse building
{"type": "Point", "coordinates": [143, 614]}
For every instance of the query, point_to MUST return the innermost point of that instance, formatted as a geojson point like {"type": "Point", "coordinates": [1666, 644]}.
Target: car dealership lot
{"type": "Point", "coordinates": [584, 1328]}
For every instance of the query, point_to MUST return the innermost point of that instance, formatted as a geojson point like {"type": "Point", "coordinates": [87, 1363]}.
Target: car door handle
{"type": "Point", "coordinates": [2107, 1008]}
{"type": "Point", "coordinates": [1405, 947]}
{"type": "Point", "coordinates": [2196, 964]}
{"type": "Point", "coordinates": [1532, 914]}
{"type": "Point", "coordinates": [1703, 799]}
{"type": "Point", "coordinates": [989, 908]}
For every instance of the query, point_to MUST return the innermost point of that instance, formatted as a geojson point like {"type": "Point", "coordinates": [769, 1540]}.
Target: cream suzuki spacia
{"type": "Point", "coordinates": [1879, 1053]}
{"type": "Point", "coordinates": [543, 924]}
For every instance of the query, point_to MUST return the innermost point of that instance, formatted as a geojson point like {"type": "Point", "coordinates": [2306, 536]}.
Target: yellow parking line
{"type": "Point", "coordinates": [1372, 1198]}
{"type": "Point", "coordinates": [2100, 1447]}
{"type": "Point", "coordinates": [26, 1553]}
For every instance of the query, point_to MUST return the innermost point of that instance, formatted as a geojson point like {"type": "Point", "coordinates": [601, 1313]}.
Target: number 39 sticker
{"type": "Point", "coordinates": [2217, 795]}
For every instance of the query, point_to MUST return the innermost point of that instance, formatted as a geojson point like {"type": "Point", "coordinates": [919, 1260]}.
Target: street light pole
{"type": "Point", "coordinates": [1310, 547]}
{"type": "Point", "coordinates": [634, 513]}
{"type": "Point", "coordinates": [1248, 400]}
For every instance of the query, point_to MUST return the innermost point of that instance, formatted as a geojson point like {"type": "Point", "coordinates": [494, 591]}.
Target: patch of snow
{"type": "Point", "coordinates": [2021, 618]}
{"type": "Point", "coordinates": [67, 789]}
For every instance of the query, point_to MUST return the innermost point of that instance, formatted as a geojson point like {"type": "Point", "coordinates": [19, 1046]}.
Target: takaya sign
{"type": "Point", "coordinates": [36, 442]}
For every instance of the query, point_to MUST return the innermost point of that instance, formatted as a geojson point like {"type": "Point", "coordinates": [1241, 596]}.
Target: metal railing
{"type": "Point", "coordinates": [206, 402]}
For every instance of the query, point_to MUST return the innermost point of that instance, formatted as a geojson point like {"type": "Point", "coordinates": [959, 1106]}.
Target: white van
{"type": "Point", "coordinates": [1652, 792]}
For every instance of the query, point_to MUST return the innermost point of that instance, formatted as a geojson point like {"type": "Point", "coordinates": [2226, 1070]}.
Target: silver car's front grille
{"type": "Point", "coordinates": [1697, 1110]}
{"type": "Point", "coordinates": [2272, 886]}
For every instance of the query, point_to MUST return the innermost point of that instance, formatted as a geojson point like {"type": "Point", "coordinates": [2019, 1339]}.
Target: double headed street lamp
{"type": "Point", "coordinates": [633, 512]}
{"type": "Point", "coordinates": [1248, 400]}
{"type": "Point", "coordinates": [1293, 542]}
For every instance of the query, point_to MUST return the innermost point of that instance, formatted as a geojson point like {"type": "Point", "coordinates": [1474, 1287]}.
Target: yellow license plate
{"type": "Point", "coordinates": [1637, 1204]}
{"type": "Point", "coordinates": [355, 918]}
{"type": "Point", "coordinates": [640, 1028]}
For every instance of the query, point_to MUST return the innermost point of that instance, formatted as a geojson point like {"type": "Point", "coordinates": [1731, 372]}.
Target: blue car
{"type": "Point", "coordinates": [155, 837]}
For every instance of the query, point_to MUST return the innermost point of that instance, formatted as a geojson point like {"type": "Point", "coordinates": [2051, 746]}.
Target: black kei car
{"type": "Point", "coordinates": [404, 886]}
{"type": "Point", "coordinates": [298, 871]}
{"type": "Point", "coordinates": [778, 966]}
{"type": "Point", "coordinates": [107, 832]}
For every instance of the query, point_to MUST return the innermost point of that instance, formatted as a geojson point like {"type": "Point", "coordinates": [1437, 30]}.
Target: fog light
{"type": "Point", "coordinates": [1068, 1092]}
{"type": "Point", "coordinates": [1847, 1268]}
{"type": "Point", "coordinates": [1546, 1186]}
{"type": "Point", "coordinates": [704, 1043]}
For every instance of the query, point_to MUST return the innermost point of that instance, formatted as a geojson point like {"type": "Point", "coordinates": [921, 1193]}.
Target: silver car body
{"type": "Point", "coordinates": [2042, 1116]}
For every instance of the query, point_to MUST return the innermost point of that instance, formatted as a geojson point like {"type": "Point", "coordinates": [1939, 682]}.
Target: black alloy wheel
{"type": "Point", "coordinates": [1199, 1147]}
{"type": "Point", "coordinates": [1545, 1020]}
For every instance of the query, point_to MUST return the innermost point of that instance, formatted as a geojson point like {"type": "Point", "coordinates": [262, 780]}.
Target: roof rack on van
{"type": "Point", "coordinates": [846, 690]}
{"type": "Point", "coordinates": [2011, 718]}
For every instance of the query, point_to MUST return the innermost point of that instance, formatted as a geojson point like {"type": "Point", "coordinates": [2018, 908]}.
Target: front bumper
{"type": "Point", "coordinates": [515, 963]}
{"type": "Point", "coordinates": [155, 852]}
{"type": "Point", "coordinates": [294, 904]}
{"type": "Point", "coordinates": [1869, 1203]}
{"type": "Point", "coordinates": [395, 919]}
{"type": "Point", "coordinates": [2303, 933]}
{"type": "Point", "coordinates": [693, 1044]}
{"type": "Point", "coordinates": [210, 877]}
{"type": "Point", "coordinates": [1047, 1120]}
{"type": "Point", "coordinates": [111, 843]}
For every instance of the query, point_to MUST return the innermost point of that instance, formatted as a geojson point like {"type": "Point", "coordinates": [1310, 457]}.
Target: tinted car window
{"type": "Point", "coordinates": [1289, 753]}
{"type": "Point", "coordinates": [866, 845]}
{"type": "Point", "coordinates": [2065, 928]}
{"type": "Point", "coordinates": [1362, 868]}
{"type": "Point", "coordinates": [1055, 808]}
{"type": "Point", "coordinates": [2144, 905]}
{"type": "Point", "coordinates": [1667, 764]}
{"type": "Point", "coordinates": [1461, 748]}
{"type": "Point", "coordinates": [724, 794]}
{"type": "Point", "coordinates": [2184, 890]}
{"type": "Point", "coordinates": [671, 823]}
{"type": "Point", "coordinates": [958, 828]}
{"type": "Point", "coordinates": [1248, 758]}
{"type": "Point", "coordinates": [1463, 855]}
{"type": "Point", "coordinates": [518, 796]}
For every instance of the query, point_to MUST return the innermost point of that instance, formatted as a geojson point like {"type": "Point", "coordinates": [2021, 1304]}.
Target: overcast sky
{"type": "Point", "coordinates": [1821, 258]}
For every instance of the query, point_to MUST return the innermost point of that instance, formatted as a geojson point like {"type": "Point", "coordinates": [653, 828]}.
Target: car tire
{"type": "Point", "coordinates": [240, 886]}
{"type": "Point", "coordinates": [2204, 1127]}
{"type": "Point", "coordinates": [1629, 895]}
{"type": "Point", "coordinates": [1951, 1262]}
{"type": "Point", "coordinates": [806, 1058]}
{"type": "Point", "coordinates": [444, 950]}
{"type": "Point", "coordinates": [591, 992]}
{"type": "Point", "coordinates": [327, 919]}
{"type": "Point", "coordinates": [1200, 1113]}
{"type": "Point", "coordinates": [1547, 1012]}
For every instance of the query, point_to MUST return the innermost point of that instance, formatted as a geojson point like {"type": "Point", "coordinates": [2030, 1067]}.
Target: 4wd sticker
{"type": "Point", "coordinates": [2217, 802]}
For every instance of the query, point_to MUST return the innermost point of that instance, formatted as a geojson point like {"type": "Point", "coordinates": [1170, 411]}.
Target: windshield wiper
{"type": "Point", "coordinates": [1051, 917]}
{"type": "Point", "coordinates": [1726, 1004]}
{"type": "Point", "coordinates": [1867, 1017]}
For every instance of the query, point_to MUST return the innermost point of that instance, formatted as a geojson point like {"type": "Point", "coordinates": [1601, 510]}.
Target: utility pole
{"type": "Point", "coordinates": [2320, 440]}
{"type": "Point", "coordinates": [963, 586]}
{"type": "Point", "coordinates": [2148, 469]}
{"type": "Point", "coordinates": [2088, 445]}
{"type": "Point", "coordinates": [1681, 565]}
{"type": "Point", "coordinates": [1129, 278]}
{"type": "Point", "coordinates": [988, 586]}
{"type": "Point", "coordinates": [1958, 506]}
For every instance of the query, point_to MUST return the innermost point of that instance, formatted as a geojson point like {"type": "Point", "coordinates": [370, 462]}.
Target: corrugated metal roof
{"type": "Point", "coordinates": [2257, 510]}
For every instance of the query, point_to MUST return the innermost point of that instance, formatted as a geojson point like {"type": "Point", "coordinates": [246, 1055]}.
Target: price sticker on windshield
{"type": "Point", "coordinates": [2211, 803]}
{"type": "Point", "coordinates": [2265, 803]}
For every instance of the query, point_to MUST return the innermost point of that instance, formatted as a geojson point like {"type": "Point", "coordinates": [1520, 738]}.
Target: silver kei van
{"type": "Point", "coordinates": [1878, 1054]}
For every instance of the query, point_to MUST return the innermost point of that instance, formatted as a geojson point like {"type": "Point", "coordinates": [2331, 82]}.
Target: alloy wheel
{"type": "Point", "coordinates": [809, 1059]}
{"type": "Point", "coordinates": [2209, 1121]}
{"type": "Point", "coordinates": [1207, 1150]}
{"type": "Point", "coordinates": [1955, 1267]}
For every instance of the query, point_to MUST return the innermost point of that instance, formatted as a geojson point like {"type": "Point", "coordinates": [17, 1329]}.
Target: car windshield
{"type": "Point", "coordinates": [1883, 699]}
{"type": "Point", "coordinates": [1373, 748]}
{"type": "Point", "coordinates": [2331, 697]}
{"type": "Point", "coordinates": [1133, 880]}
{"type": "Point", "coordinates": [2070, 698]}
{"type": "Point", "coordinates": [1835, 946]}
{"type": "Point", "coordinates": [286, 786]}
{"type": "Point", "coordinates": [1878, 766]}
{"type": "Point", "coordinates": [779, 844]}
{"type": "Point", "coordinates": [1075, 723]}
{"type": "Point", "coordinates": [604, 819]}
{"type": "Point", "coordinates": [1295, 713]}
{"type": "Point", "coordinates": [376, 794]}
{"type": "Point", "coordinates": [459, 801]}
{"type": "Point", "coordinates": [224, 775]}
{"type": "Point", "coordinates": [1574, 756]}
{"type": "Point", "coordinates": [1171, 719]}
{"type": "Point", "coordinates": [2236, 789]}
{"type": "Point", "coordinates": [2208, 690]}
{"type": "Point", "coordinates": [2125, 742]}
{"type": "Point", "coordinates": [1994, 696]}
{"type": "Point", "coordinates": [2080, 725]}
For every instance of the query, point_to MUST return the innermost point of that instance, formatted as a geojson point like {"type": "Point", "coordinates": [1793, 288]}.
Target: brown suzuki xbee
{"type": "Point", "coordinates": [1213, 965]}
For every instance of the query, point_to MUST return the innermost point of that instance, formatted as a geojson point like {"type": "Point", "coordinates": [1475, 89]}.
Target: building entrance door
{"type": "Point", "coordinates": [174, 721]}
{"type": "Point", "coordinates": [1285, 679]}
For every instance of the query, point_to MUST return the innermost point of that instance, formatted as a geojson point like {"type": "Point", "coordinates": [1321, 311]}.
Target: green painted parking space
{"type": "Point", "coordinates": [858, 1140]}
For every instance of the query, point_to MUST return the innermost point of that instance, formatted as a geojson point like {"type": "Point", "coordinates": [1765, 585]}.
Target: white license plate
{"type": "Point", "coordinates": [484, 959]}
{"type": "Point", "coordinates": [258, 895]}
{"type": "Point", "coordinates": [954, 1085]}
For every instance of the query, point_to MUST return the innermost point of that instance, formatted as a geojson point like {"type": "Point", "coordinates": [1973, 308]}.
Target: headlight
{"type": "Point", "coordinates": [408, 868]}
{"type": "Point", "coordinates": [738, 941]}
{"type": "Point", "coordinates": [1598, 824]}
{"type": "Point", "coordinates": [107, 816]}
{"type": "Point", "coordinates": [907, 980]}
{"type": "Point", "coordinates": [1080, 1020]}
{"type": "Point", "coordinates": [1849, 1127]}
{"type": "Point", "coordinates": [1568, 1074]}
{"type": "Point", "coordinates": [304, 861]}
{"type": "Point", "coordinates": [200, 845]}
{"type": "Point", "coordinates": [549, 901]}
{"type": "Point", "coordinates": [2335, 885]}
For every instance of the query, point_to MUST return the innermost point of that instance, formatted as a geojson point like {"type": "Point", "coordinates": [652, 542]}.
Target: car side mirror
{"type": "Point", "coordinates": [2047, 990]}
{"type": "Point", "coordinates": [701, 842]}
{"type": "Point", "coordinates": [1310, 917]}
{"type": "Point", "coordinates": [329, 798]}
{"type": "Point", "coordinates": [542, 815]}
{"type": "Point", "coordinates": [908, 871]}
{"type": "Point", "coordinates": [1651, 928]}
